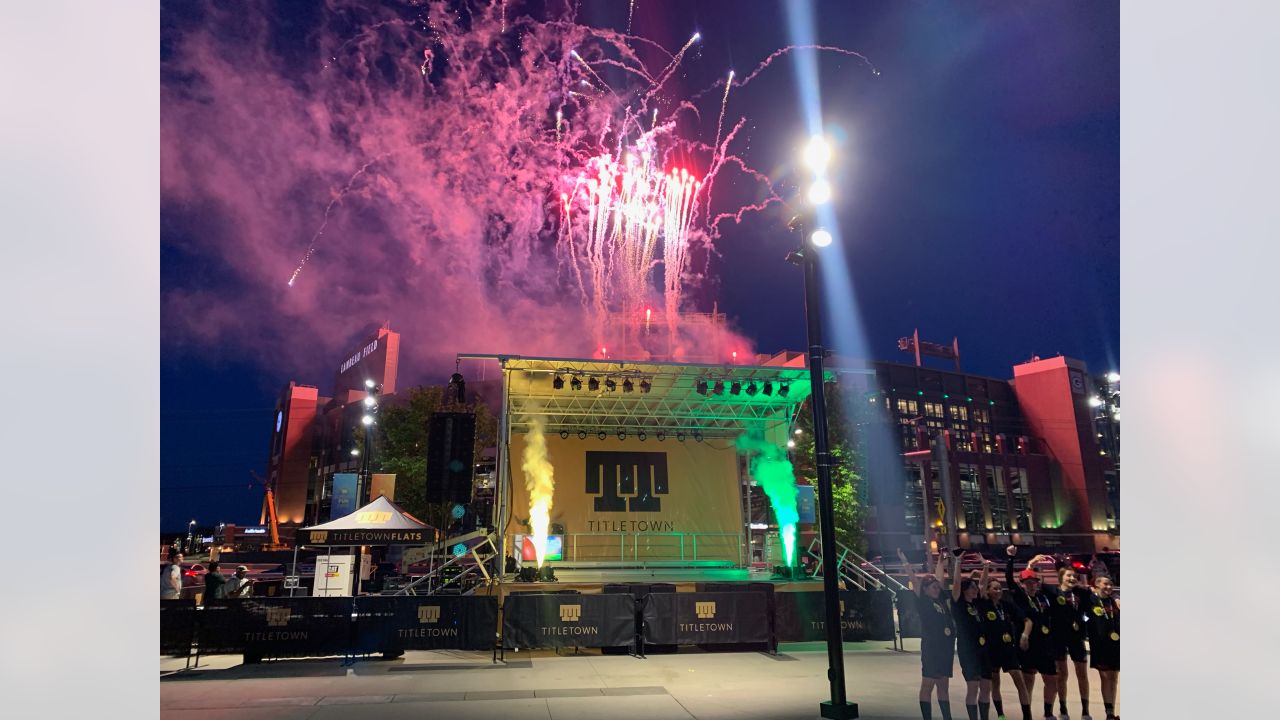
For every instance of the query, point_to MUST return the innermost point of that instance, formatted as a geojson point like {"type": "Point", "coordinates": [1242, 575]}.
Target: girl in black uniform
{"type": "Point", "coordinates": [937, 639]}
{"type": "Point", "coordinates": [1103, 621]}
{"type": "Point", "coordinates": [971, 642]}
{"type": "Point", "coordinates": [1036, 647]}
{"type": "Point", "coordinates": [1069, 602]}
{"type": "Point", "coordinates": [1005, 624]}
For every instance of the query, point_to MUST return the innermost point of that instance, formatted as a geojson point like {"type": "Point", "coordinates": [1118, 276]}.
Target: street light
{"type": "Point", "coordinates": [817, 154]}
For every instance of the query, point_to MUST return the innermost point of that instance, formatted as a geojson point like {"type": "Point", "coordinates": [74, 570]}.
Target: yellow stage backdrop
{"type": "Point", "coordinates": [627, 499]}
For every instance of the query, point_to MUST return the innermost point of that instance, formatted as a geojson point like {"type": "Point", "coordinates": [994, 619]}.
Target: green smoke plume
{"type": "Point", "coordinates": [771, 469]}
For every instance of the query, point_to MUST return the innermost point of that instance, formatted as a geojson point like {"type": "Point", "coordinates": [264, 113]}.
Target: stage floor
{"type": "Point", "coordinates": [685, 579]}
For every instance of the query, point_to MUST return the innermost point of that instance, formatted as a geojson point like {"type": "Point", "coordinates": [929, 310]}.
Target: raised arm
{"type": "Point", "coordinates": [910, 571]}
{"type": "Point", "coordinates": [955, 578]}
{"type": "Point", "coordinates": [982, 580]}
{"type": "Point", "coordinates": [939, 571]}
{"type": "Point", "coordinates": [1011, 551]}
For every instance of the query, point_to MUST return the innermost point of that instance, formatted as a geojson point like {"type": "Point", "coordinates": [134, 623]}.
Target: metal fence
{"type": "Point", "coordinates": [654, 547]}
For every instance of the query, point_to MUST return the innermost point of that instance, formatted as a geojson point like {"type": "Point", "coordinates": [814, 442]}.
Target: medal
{"type": "Point", "coordinates": [946, 631]}
{"type": "Point", "coordinates": [982, 641]}
{"type": "Point", "coordinates": [1007, 637]}
{"type": "Point", "coordinates": [1044, 629]}
{"type": "Point", "coordinates": [1115, 636]}
{"type": "Point", "coordinates": [1075, 625]}
{"type": "Point", "coordinates": [973, 611]}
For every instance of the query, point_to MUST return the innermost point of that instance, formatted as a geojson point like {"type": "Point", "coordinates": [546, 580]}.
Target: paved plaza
{"type": "Point", "coordinates": [543, 685]}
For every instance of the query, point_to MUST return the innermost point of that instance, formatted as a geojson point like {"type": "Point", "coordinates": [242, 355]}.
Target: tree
{"type": "Point", "coordinates": [400, 445]}
{"type": "Point", "coordinates": [847, 483]}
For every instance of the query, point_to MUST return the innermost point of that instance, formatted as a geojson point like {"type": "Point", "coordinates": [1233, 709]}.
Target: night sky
{"type": "Point", "coordinates": [980, 199]}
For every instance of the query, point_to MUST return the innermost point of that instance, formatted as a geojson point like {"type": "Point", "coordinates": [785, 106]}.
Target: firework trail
{"type": "Point", "coordinates": [337, 198]}
{"type": "Point", "coordinates": [724, 103]}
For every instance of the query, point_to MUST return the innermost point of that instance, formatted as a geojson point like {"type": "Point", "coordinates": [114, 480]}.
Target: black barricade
{"type": "Point", "coordinates": [395, 624]}
{"type": "Point", "coordinates": [864, 615]}
{"type": "Point", "coordinates": [908, 618]}
{"type": "Point", "coordinates": [559, 620]}
{"type": "Point", "coordinates": [276, 627]}
{"type": "Point", "coordinates": [177, 626]}
{"type": "Point", "coordinates": [706, 618]}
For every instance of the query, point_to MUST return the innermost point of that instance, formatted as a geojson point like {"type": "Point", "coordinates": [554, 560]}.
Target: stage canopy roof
{"type": "Point", "coordinates": [381, 522]}
{"type": "Point", "coordinates": [664, 396]}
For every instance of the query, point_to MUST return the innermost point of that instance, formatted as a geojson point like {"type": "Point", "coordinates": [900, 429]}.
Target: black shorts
{"type": "Point", "coordinates": [937, 657]}
{"type": "Point", "coordinates": [1038, 657]}
{"type": "Point", "coordinates": [1002, 656]}
{"type": "Point", "coordinates": [1104, 655]}
{"type": "Point", "coordinates": [974, 663]}
{"type": "Point", "coordinates": [1071, 645]}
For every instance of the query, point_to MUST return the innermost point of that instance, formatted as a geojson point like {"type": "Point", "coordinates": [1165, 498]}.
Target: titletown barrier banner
{"type": "Point", "coordinates": [177, 626]}
{"type": "Point", "coordinates": [451, 622]}
{"type": "Point", "coordinates": [567, 620]}
{"type": "Point", "coordinates": [628, 486]}
{"type": "Point", "coordinates": [706, 618]}
{"type": "Point", "coordinates": [864, 615]}
{"type": "Point", "coordinates": [276, 627]}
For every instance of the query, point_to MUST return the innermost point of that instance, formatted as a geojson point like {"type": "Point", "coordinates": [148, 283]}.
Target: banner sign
{"type": "Point", "coordinates": [706, 618]}
{"type": "Point", "coordinates": [177, 626]}
{"type": "Point", "coordinates": [343, 502]}
{"type": "Point", "coordinates": [451, 622]}
{"type": "Point", "coordinates": [368, 536]}
{"type": "Point", "coordinates": [628, 486]}
{"type": "Point", "coordinates": [567, 620]}
{"type": "Point", "coordinates": [806, 504]}
{"type": "Point", "coordinates": [801, 616]}
{"type": "Point", "coordinates": [382, 484]}
{"type": "Point", "coordinates": [277, 627]}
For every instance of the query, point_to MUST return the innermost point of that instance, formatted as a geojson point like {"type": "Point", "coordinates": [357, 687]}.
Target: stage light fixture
{"type": "Point", "coordinates": [719, 387]}
{"type": "Point", "coordinates": [645, 386]}
{"type": "Point", "coordinates": [582, 434]}
{"type": "Point", "coordinates": [610, 385]}
{"type": "Point", "coordinates": [593, 384]}
{"type": "Point", "coordinates": [702, 387]}
{"type": "Point", "coordinates": [575, 383]}
{"type": "Point", "coordinates": [558, 383]}
{"type": "Point", "coordinates": [679, 436]}
{"type": "Point", "coordinates": [622, 434]}
{"type": "Point", "coordinates": [820, 238]}
{"type": "Point", "coordinates": [735, 388]}
{"type": "Point", "coordinates": [751, 388]}
{"type": "Point", "coordinates": [661, 436]}
{"type": "Point", "coordinates": [768, 388]}
{"type": "Point", "coordinates": [602, 435]}
{"type": "Point", "coordinates": [642, 435]}
{"type": "Point", "coordinates": [627, 386]}
{"type": "Point", "coordinates": [783, 388]}
{"type": "Point", "coordinates": [564, 434]}
{"type": "Point", "coordinates": [697, 436]}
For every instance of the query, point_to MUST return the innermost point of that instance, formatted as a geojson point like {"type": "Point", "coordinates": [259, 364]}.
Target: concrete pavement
{"type": "Point", "coordinates": [545, 686]}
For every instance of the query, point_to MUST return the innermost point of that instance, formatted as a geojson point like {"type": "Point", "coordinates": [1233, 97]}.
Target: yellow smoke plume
{"type": "Point", "coordinates": [539, 480]}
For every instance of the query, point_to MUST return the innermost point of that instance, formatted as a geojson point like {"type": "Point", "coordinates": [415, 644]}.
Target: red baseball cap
{"type": "Point", "coordinates": [1028, 574]}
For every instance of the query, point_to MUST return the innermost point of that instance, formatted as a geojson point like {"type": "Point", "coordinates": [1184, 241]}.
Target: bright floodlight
{"type": "Point", "coordinates": [355, 451]}
{"type": "Point", "coordinates": [1095, 402]}
{"type": "Point", "coordinates": [1113, 377]}
{"type": "Point", "coordinates": [791, 443]}
{"type": "Point", "coordinates": [369, 401]}
{"type": "Point", "coordinates": [817, 154]}
{"type": "Point", "coordinates": [799, 431]}
{"type": "Point", "coordinates": [820, 238]}
{"type": "Point", "coordinates": [368, 383]}
{"type": "Point", "coordinates": [367, 419]}
{"type": "Point", "coordinates": [820, 192]}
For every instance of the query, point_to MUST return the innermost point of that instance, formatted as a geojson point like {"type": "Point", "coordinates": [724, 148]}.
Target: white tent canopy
{"type": "Point", "coordinates": [381, 522]}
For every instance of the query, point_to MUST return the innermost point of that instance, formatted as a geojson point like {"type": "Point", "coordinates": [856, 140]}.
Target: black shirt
{"type": "Point", "coordinates": [968, 620]}
{"type": "Point", "coordinates": [1002, 621]}
{"type": "Point", "coordinates": [1103, 619]}
{"type": "Point", "coordinates": [1037, 607]}
{"type": "Point", "coordinates": [215, 586]}
{"type": "Point", "coordinates": [1068, 608]}
{"type": "Point", "coordinates": [935, 616]}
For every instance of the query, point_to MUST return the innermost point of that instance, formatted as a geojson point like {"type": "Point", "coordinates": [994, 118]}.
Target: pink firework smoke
{"type": "Point", "coordinates": [464, 171]}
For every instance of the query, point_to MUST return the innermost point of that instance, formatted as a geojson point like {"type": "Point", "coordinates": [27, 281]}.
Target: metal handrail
{"type": "Point", "coordinates": [437, 572]}
{"type": "Point", "coordinates": [686, 548]}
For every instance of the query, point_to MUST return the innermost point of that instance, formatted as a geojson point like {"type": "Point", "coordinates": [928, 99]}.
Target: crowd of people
{"type": "Point", "coordinates": [1019, 628]}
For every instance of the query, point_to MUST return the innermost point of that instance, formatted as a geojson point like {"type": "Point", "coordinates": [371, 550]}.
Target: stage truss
{"type": "Point", "coordinates": [672, 404]}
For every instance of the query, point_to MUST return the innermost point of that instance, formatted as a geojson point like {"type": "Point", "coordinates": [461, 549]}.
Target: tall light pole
{"type": "Point", "coordinates": [817, 155]}
{"type": "Point", "coordinates": [364, 478]}
{"type": "Point", "coordinates": [191, 529]}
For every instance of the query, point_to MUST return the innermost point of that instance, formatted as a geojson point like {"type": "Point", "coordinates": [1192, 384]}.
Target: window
{"type": "Point", "coordinates": [958, 412]}
{"type": "Point", "coordinates": [997, 499]}
{"type": "Point", "coordinates": [933, 409]}
{"type": "Point", "coordinates": [981, 415]}
{"type": "Point", "coordinates": [913, 500]}
{"type": "Point", "coordinates": [971, 498]}
{"type": "Point", "coordinates": [908, 407]}
{"type": "Point", "coordinates": [1021, 499]}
